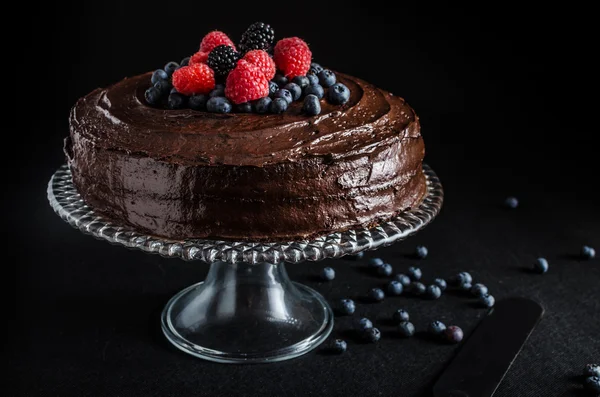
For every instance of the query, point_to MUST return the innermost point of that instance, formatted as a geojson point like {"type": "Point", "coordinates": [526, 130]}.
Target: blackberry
{"type": "Point", "coordinates": [259, 36]}
{"type": "Point", "coordinates": [222, 60]}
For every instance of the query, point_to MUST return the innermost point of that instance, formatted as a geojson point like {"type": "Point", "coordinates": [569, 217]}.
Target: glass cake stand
{"type": "Point", "coordinates": [247, 310]}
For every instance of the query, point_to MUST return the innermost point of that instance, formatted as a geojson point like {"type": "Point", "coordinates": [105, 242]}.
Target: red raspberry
{"type": "Point", "coordinates": [246, 83]}
{"type": "Point", "coordinates": [194, 79]}
{"type": "Point", "coordinates": [214, 39]}
{"type": "Point", "coordinates": [264, 62]}
{"type": "Point", "coordinates": [292, 56]}
{"type": "Point", "coordinates": [199, 57]}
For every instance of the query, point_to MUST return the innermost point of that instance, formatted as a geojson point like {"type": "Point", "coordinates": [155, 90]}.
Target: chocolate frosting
{"type": "Point", "coordinates": [186, 173]}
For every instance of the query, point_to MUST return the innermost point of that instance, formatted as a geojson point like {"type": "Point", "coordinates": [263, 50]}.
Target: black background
{"type": "Point", "coordinates": [507, 107]}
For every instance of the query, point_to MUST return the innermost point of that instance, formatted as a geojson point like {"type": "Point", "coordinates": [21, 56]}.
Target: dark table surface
{"type": "Point", "coordinates": [500, 117]}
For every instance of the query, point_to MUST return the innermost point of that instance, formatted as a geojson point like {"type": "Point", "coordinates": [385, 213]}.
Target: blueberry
{"type": "Point", "coordinates": [591, 370]}
{"type": "Point", "coordinates": [197, 102]}
{"type": "Point", "coordinates": [540, 265]}
{"type": "Point", "coordinates": [364, 323]}
{"type": "Point", "coordinates": [433, 292]}
{"type": "Point", "coordinates": [313, 79]}
{"type": "Point", "coordinates": [371, 335]}
{"type": "Point", "coordinates": [376, 295]}
{"type": "Point", "coordinates": [159, 74]}
{"type": "Point", "coordinates": [294, 89]}
{"type": "Point", "coordinates": [171, 67]}
{"type": "Point", "coordinates": [164, 86]}
{"type": "Point", "coordinates": [278, 105]}
{"type": "Point", "coordinates": [453, 334]}
{"type": "Point", "coordinates": [347, 306]}
{"type": "Point", "coordinates": [421, 252]}
{"type": "Point", "coordinates": [465, 287]}
{"type": "Point", "coordinates": [588, 253]}
{"type": "Point", "coordinates": [315, 68]}
{"type": "Point", "coordinates": [302, 81]}
{"type": "Point", "coordinates": [339, 346]}
{"type": "Point", "coordinates": [338, 94]}
{"type": "Point", "coordinates": [403, 279]}
{"type": "Point", "coordinates": [436, 328]}
{"type": "Point", "coordinates": [219, 90]}
{"type": "Point", "coordinates": [417, 288]}
{"type": "Point", "coordinates": [357, 256]}
{"type": "Point", "coordinates": [273, 88]}
{"type": "Point", "coordinates": [326, 78]}
{"type": "Point", "coordinates": [218, 104]}
{"type": "Point", "coordinates": [462, 278]}
{"type": "Point", "coordinates": [400, 316]}
{"type": "Point", "coordinates": [487, 300]}
{"type": "Point", "coordinates": [592, 384]}
{"type": "Point", "coordinates": [511, 202]}
{"type": "Point", "coordinates": [152, 95]}
{"type": "Point", "coordinates": [285, 94]}
{"type": "Point", "coordinates": [414, 273]}
{"type": "Point", "coordinates": [280, 80]}
{"type": "Point", "coordinates": [262, 105]}
{"type": "Point", "coordinates": [385, 270]}
{"type": "Point", "coordinates": [245, 107]}
{"type": "Point", "coordinates": [479, 290]}
{"type": "Point", "coordinates": [394, 288]}
{"type": "Point", "coordinates": [177, 101]}
{"type": "Point", "coordinates": [440, 282]}
{"type": "Point", "coordinates": [184, 62]}
{"type": "Point", "coordinates": [406, 329]}
{"type": "Point", "coordinates": [314, 89]}
{"type": "Point", "coordinates": [173, 90]}
{"type": "Point", "coordinates": [374, 263]}
{"type": "Point", "coordinates": [328, 274]}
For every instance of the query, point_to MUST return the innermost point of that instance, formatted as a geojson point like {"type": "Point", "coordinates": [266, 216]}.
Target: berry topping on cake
{"type": "Point", "coordinates": [199, 57]}
{"type": "Point", "coordinates": [215, 39]}
{"type": "Point", "coordinates": [194, 79]}
{"type": "Point", "coordinates": [259, 36]}
{"type": "Point", "coordinates": [292, 56]}
{"type": "Point", "coordinates": [263, 61]}
{"type": "Point", "coordinates": [246, 83]}
{"type": "Point", "coordinates": [222, 59]}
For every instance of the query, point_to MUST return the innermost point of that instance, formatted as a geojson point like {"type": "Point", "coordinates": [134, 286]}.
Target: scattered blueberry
{"type": "Point", "coordinates": [479, 290]}
{"type": "Point", "coordinates": [414, 273]}
{"type": "Point", "coordinates": [294, 89]}
{"type": "Point", "coordinates": [159, 74]}
{"type": "Point", "coordinates": [591, 370]}
{"type": "Point", "coordinates": [465, 287]}
{"type": "Point", "coordinates": [364, 323]}
{"type": "Point", "coordinates": [511, 202]}
{"type": "Point", "coordinates": [197, 102]}
{"type": "Point", "coordinates": [280, 80]}
{"type": "Point", "coordinates": [440, 282]}
{"type": "Point", "coordinates": [421, 252]}
{"type": "Point", "coordinates": [218, 104]}
{"type": "Point", "coordinates": [487, 300]}
{"type": "Point", "coordinates": [436, 328]}
{"type": "Point", "coordinates": [314, 89]}
{"type": "Point", "coordinates": [313, 79]}
{"type": "Point", "coordinates": [219, 90]}
{"type": "Point", "coordinates": [152, 95]}
{"type": "Point", "coordinates": [185, 61]}
{"type": "Point", "coordinates": [592, 384]}
{"type": "Point", "coordinates": [285, 94]}
{"type": "Point", "coordinates": [338, 94]}
{"type": "Point", "coordinates": [376, 295]}
{"type": "Point", "coordinates": [262, 105]}
{"type": "Point", "coordinates": [400, 316]}
{"type": "Point", "coordinates": [273, 88]}
{"type": "Point", "coordinates": [406, 329]}
{"type": "Point", "coordinates": [312, 105]}
{"type": "Point", "coordinates": [328, 274]}
{"type": "Point", "coordinates": [347, 306]}
{"type": "Point", "coordinates": [403, 279]}
{"type": "Point", "coordinates": [417, 288]}
{"type": "Point", "coordinates": [588, 253]}
{"type": "Point", "coordinates": [315, 68]}
{"type": "Point", "coordinates": [374, 263]}
{"type": "Point", "coordinates": [454, 334]}
{"type": "Point", "coordinates": [395, 288]}
{"type": "Point", "coordinates": [371, 334]}
{"type": "Point", "coordinates": [433, 291]}
{"type": "Point", "coordinates": [164, 86]}
{"type": "Point", "coordinates": [326, 78]}
{"type": "Point", "coordinates": [302, 81]}
{"type": "Point", "coordinates": [339, 346]}
{"type": "Point", "coordinates": [176, 101]}
{"type": "Point", "coordinates": [385, 270]}
{"type": "Point", "coordinates": [540, 265]}
{"type": "Point", "coordinates": [359, 255]}
{"type": "Point", "coordinates": [171, 67]}
{"type": "Point", "coordinates": [278, 105]}
{"type": "Point", "coordinates": [245, 107]}
{"type": "Point", "coordinates": [462, 278]}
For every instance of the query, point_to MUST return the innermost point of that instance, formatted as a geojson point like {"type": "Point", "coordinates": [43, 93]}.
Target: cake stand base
{"type": "Point", "coordinates": [248, 313]}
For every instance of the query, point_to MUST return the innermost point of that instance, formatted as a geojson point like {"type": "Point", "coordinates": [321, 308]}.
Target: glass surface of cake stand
{"type": "Point", "coordinates": [247, 310]}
